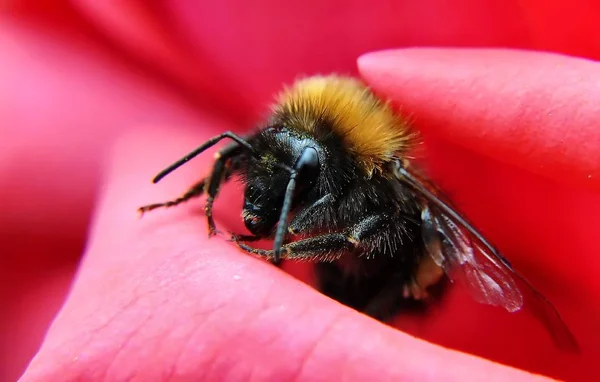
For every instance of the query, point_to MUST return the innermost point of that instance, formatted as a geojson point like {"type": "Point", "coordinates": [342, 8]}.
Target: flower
{"type": "Point", "coordinates": [510, 135]}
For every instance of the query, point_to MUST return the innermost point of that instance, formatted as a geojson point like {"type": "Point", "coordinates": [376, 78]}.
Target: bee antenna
{"type": "Point", "coordinates": [206, 145]}
{"type": "Point", "coordinates": [308, 160]}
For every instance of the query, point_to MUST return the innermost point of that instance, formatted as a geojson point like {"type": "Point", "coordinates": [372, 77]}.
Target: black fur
{"type": "Point", "coordinates": [341, 202]}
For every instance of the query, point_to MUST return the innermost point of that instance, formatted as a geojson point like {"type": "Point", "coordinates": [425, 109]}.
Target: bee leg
{"type": "Point", "coordinates": [430, 268]}
{"type": "Point", "coordinates": [250, 238]}
{"type": "Point", "coordinates": [307, 218]}
{"type": "Point", "coordinates": [221, 172]}
{"type": "Point", "coordinates": [323, 247]}
{"type": "Point", "coordinates": [428, 274]}
{"type": "Point", "coordinates": [245, 238]}
{"type": "Point", "coordinates": [326, 247]}
{"type": "Point", "coordinates": [225, 164]}
{"type": "Point", "coordinates": [196, 190]}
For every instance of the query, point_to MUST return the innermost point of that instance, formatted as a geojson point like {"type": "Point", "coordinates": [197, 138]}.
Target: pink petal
{"type": "Point", "coordinates": [156, 299]}
{"type": "Point", "coordinates": [519, 97]}
{"type": "Point", "coordinates": [63, 100]}
{"type": "Point", "coordinates": [255, 46]}
{"type": "Point", "coordinates": [243, 55]}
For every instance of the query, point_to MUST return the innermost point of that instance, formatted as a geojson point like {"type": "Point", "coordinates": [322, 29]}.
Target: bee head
{"type": "Point", "coordinates": [285, 161]}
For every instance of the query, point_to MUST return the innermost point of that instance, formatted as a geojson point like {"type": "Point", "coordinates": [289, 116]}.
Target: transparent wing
{"type": "Point", "coordinates": [451, 247]}
{"type": "Point", "coordinates": [467, 257]}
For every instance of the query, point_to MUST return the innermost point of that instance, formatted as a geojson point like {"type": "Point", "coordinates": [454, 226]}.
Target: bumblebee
{"type": "Point", "coordinates": [329, 179]}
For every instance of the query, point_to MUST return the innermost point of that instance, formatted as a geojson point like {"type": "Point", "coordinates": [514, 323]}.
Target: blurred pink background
{"type": "Point", "coordinates": [76, 75]}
